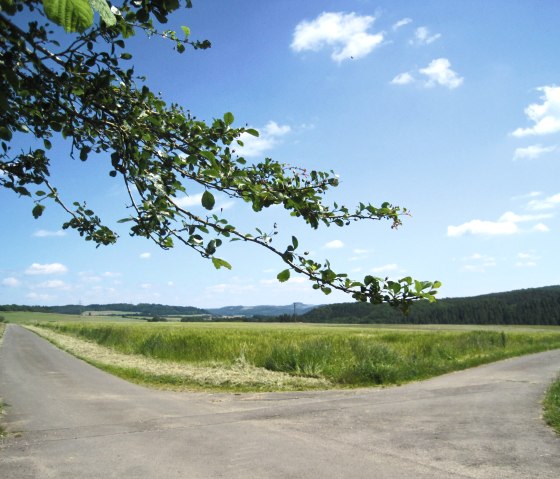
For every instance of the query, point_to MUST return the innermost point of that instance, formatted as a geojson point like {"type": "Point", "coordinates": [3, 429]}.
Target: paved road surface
{"type": "Point", "coordinates": [78, 422]}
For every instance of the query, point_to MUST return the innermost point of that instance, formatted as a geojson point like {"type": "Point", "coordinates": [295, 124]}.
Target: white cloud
{"type": "Point", "coordinates": [52, 268]}
{"type": "Point", "coordinates": [11, 282]}
{"type": "Point", "coordinates": [111, 274]}
{"type": "Point", "coordinates": [422, 36]}
{"type": "Point", "coordinates": [439, 72]}
{"type": "Point", "coordinates": [89, 277]}
{"type": "Point", "coordinates": [145, 255]}
{"type": "Point", "coordinates": [541, 228]}
{"type": "Point", "coordinates": [53, 284]}
{"type": "Point", "coordinates": [545, 115]}
{"type": "Point", "coordinates": [345, 33]}
{"type": "Point", "coordinates": [511, 217]}
{"type": "Point", "coordinates": [334, 244]}
{"type": "Point", "coordinates": [544, 204]}
{"type": "Point", "coordinates": [477, 263]}
{"type": "Point", "coordinates": [40, 297]}
{"type": "Point", "coordinates": [403, 79]}
{"type": "Point", "coordinates": [506, 225]}
{"type": "Point", "coordinates": [45, 233]}
{"type": "Point", "coordinates": [532, 152]}
{"type": "Point", "coordinates": [146, 286]}
{"type": "Point", "coordinates": [268, 139]}
{"type": "Point", "coordinates": [401, 23]}
{"type": "Point", "coordinates": [526, 259]}
{"type": "Point", "coordinates": [360, 251]}
{"type": "Point", "coordinates": [480, 227]}
{"type": "Point", "coordinates": [186, 201]}
{"type": "Point", "coordinates": [386, 268]}
{"type": "Point", "coordinates": [532, 194]}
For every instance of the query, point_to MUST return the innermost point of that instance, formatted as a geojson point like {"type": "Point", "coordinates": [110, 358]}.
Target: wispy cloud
{"type": "Point", "coordinates": [403, 79]}
{"type": "Point", "coordinates": [52, 268]}
{"type": "Point", "coordinates": [334, 244]}
{"type": "Point", "coordinates": [269, 137]}
{"type": "Point", "coordinates": [145, 255]}
{"type": "Point", "coordinates": [46, 234]}
{"type": "Point", "coordinates": [526, 259]}
{"type": "Point", "coordinates": [478, 263]}
{"type": "Point", "coordinates": [188, 201]}
{"type": "Point", "coordinates": [386, 268]}
{"type": "Point", "coordinates": [423, 36]}
{"type": "Point", "coordinates": [401, 23]}
{"type": "Point", "coordinates": [544, 204]}
{"type": "Point", "coordinates": [545, 116]}
{"type": "Point", "coordinates": [11, 282]}
{"type": "Point", "coordinates": [507, 224]}
{"type": "Point", "coordinates": [54, 284]}
{"type": "Point", "coordinates": [532, 152]}
{"type": "Point", "coordinates": [346, 34]}
{"type": "Point", "coordinates": [40, 297]}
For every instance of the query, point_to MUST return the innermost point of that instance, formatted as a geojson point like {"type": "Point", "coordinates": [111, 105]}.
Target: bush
{"type": "Point", "coordinates": [157, 319]}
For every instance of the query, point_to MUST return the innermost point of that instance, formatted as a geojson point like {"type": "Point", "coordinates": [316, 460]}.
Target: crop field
{"type": "Point", "coordinates": [259, 357]}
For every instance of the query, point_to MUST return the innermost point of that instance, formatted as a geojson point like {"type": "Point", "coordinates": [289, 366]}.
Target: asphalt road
{"type": "Point", "coordinates": [74, 421]}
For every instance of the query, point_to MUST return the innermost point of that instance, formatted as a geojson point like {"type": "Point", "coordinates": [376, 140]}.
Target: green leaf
{"type": "Point", "coordinates": [283, 276]}
{"type": "Point", "coordinates": [219, 263]}
{"type": "Point", "coordinates": [37, 211]}
{"type": "Point", "coordinates": [72, 15]}
{"type": "Point", "coordinates": [104, 10]}
{"type": "Point", "coordinates": [228, 118]}
{"type": "Point", "coordinates": [208, 200]}
{"type": "Point", "coordinates": [295, 242]}
{"type": "Point", "coordinates": [5, 133]}
{"type": "Point", "coordinates": [186, 31]}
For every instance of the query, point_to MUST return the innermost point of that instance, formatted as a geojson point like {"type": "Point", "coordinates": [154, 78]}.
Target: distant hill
{"type": "Point", "coordinates": [144, 309]}
{"type": "Point", "coordinates": [526, 306]}
{"type": "Point", "coordinates": [264, 310]}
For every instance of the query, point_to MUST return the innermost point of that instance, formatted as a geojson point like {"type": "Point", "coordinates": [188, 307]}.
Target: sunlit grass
{"type": "Point", "coordinates": [552, 406]}
{"type": "Point", "coordinates": [337, 356]}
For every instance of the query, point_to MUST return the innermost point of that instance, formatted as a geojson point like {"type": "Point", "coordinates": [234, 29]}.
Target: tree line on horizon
{"type": "Point", "coordinates": [535, 306]}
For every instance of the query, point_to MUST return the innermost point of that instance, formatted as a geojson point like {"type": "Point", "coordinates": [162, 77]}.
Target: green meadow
{"type": "Point", "coordinates": [332, 356]}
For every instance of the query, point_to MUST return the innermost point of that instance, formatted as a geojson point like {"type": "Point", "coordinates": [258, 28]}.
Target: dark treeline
{"type": "Point", "coordinates": [528, 306]}
{"type": "Point", "coordinates": [142, 309]}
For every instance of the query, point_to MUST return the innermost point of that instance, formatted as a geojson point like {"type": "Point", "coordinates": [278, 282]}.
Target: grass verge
{"type": "Point", "coordinates": [551, 405]}
{"type": "Point", "coordinates": [273, 357]}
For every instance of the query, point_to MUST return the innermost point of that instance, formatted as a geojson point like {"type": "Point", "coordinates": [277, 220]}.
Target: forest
{"type": "Point", "coordinates": [527, 306]}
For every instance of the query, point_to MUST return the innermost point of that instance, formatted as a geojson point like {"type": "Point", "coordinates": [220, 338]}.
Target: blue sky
{"type": "Point", "coordinates": [448, 108]}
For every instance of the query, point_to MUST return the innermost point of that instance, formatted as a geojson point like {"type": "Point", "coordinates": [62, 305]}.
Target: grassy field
{"type": "Point", "coordinates": [24, 317]}
{"type": "Point", "coordinates": [551, 405]}
{"type": "Point", "coordinates": [290, 356]}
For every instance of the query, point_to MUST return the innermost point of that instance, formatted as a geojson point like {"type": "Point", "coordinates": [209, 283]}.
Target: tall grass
{"type": "Point", "coordinates": [551, 405]}
{"type": "Point", "coordinates": [343, 356]}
